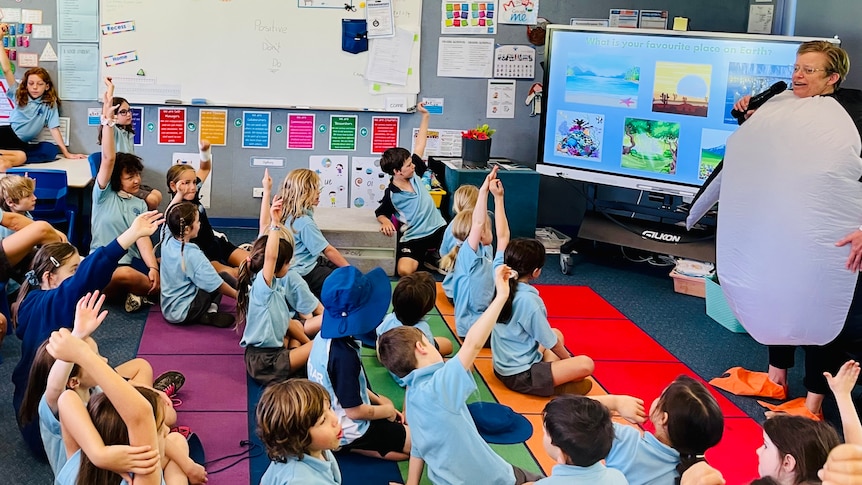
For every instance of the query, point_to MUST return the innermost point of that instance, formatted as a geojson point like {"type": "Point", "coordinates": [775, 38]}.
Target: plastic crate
{"type": "Point", "coordinates": [717, 307]}
{"type": "Point", "coordinates": [437, 195]}
{"type": "Point", "coordinates": [688, 285]}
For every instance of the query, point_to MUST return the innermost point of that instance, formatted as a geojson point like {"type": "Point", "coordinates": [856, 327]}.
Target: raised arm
{"type": "Point", "coordinates": [206, 158]}
{"type": "Point", "coordinates": [422, 134]}
{"type": "Point", "coordinates": [143, 226]}
{"type": "Point", "coordinates": [842, 385]}
{"type": "Point", "coordinates": [266, 183]}
{"type": "Point", "coordinates": [500, 219]}
{"type": "Point", "coordinates": [480, 212]}
{"type": "Point", "coordinates": [109, 150]}
{"type": "Point", "coordinates": [4, 60]}
{"type": "Point", "coordinates": [270, 255]}
{"type": "Point", "coordinates": [479, 332]}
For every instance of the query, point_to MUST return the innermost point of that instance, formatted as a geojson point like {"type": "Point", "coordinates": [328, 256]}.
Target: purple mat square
{"type": "Point", "coordinates": [213, 382]}
{"type": "Point", "coordinates": [220, 434]}
{"type": "Point", "coordinates": [160, 337]}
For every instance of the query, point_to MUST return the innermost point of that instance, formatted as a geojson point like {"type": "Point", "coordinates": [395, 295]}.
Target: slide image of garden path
{"type": "Point", "coordinates": [681, 89]}
{"type": "Point", "coordinates": [712, 144]}
{"type": "Point", "coordinates": [745, 78]}
{"type": "Point", "coordinates": [579, 135]}
{"type": "Point", "coordinates": [602, 80]}
{"type": "Point", "coordinates": [650, 145]}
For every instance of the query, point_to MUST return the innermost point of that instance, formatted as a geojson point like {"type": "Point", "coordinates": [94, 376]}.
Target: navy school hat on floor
{"type": "Point", "coordinates": [499, 424]}
{"type": "Point", "coordinates": [354, 303]}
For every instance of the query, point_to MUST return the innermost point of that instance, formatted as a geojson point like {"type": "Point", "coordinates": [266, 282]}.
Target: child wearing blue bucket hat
{"type": "Point", "coordinates": [445, 436]}
{"type": "Point", "coordinates": [354, 303]}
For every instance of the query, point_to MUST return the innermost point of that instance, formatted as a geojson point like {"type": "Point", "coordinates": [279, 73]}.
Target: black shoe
{"type": "Point", "coordinates": [218, 319]}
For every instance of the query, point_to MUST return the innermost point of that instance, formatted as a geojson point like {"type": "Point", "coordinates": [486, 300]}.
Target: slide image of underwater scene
{"type": "Point", "coordinates": [579, 135]}
{"type": "Point", "coordinates": [602, 80]}
{"type": "Point", "coordinates": [681, 89]}
{"type": "Point", "coordinates": [712, 144]}
{"type": "Point", "coordinates": [650, 145]}
{"type": "Point", "coordinates": [745, 78]}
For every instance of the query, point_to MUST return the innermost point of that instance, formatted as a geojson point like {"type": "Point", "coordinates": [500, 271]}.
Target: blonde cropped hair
{"type": "Point", "coordinates": [15, 188]}
{"type": "Point", "coordinates": [837, 60]}
{"type": "Point", "coordinates": [461, 225]}
{"type": "Point", "coordinates": [465, 198]}
{"type": "Point", "coordinates": [298, 191]}
{"type": "Point", "coordinates": [285, 414]}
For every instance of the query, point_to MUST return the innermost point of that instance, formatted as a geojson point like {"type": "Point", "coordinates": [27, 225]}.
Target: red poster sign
{"type": "Point", "coordinates": [172, 126]}
{"type": "Point", "coordinates": [384, 133]}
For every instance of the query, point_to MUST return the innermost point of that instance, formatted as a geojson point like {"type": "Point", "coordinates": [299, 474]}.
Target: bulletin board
{"type": "Point", "coordinates": [249, 53]}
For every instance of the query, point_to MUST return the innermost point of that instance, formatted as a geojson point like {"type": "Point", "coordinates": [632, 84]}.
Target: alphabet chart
{"type": "Point", "coordinates": [462, 17]}
{"type": "Point", "coordinates": [515, 62]}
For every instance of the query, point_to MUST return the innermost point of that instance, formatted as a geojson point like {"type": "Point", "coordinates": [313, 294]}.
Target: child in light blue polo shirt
{"type": "Point", "coordinates": [16, 195]}
{"type": "Point", "coordinates": [191, 289]}
{"type": "Point", "coordinates": [473, 263]}
{"type": "Point", "coordinates": [314, 258]}
{"type": "Point", "coordinates": [464, 199]}
{"type": "Point", "coordinates": [291, 409]}
{"type": "Point", "coordinates": [412, 299]}
{"type": "Point", "coordinates": [444, 433]}
{"type": "Point", "coordinates": [578, 436]}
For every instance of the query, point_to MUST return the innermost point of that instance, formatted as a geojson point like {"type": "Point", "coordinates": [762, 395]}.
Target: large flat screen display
{"type": "Point", "coordinates": [649, 109]}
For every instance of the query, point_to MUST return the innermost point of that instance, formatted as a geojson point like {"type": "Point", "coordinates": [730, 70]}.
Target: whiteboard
{"type": "Point", "coordinates": [247, 53]}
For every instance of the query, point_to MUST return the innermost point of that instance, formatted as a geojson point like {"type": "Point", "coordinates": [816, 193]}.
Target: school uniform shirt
{"type": "Point", "coordinates": [335, 364]}
{"type": "Point", "coordinates": [180, 286]}
{"type": "Point", "coordinates": [299, 297]}
{"type": "Point", "coordinates": [69, 473]}
{"type": "Point", "coordinates": [27, 121]}
{"type": "Point", "coordinates": [446, 247]}
{"type": "Point", "coordinates": [113, 213]}
{"type": "Point", "coordinates": [596, 474]}
{"type": "Point", "coordinates": [6, 232]}
{"type": "Point", "coordinates": [515, 345]}
{"type": "Point", "coordinates": [442, 431]}
{"type": "Point", "coordinates": [473, 284]}
{"type": "Point", "coordinates": [307, 471]}
{"type": "Point", "coordinates": [309, 242]}
{"type": "Point", "coordinates": [416, 209]}
{"type": "Point", "coordinates": [52, 436]}
{"type": "Point", "coordinates": [644, 460]}
{"type": "Point", "coordinates": [124, 140]}
{"type": "Point", "coordinates": [390, 321]}
{"type": "Point", "coordinates": [268, 316]}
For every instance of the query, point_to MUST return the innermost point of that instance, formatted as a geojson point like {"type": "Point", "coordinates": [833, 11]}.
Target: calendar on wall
{"type": "Point", "coordinates": [515, 62]}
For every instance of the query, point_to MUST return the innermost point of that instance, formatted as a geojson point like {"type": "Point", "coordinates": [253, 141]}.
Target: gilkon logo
{"type": "Point", "coordinates": [661, 236]}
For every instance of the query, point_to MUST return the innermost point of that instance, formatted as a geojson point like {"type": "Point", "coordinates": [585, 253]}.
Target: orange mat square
{"type": "Point", "coordinates": [646, 380]}
{"type": "Point", "coordinates": [603, 339]}
{"type": "Point", "coordinates": [535, 444]}
{"type": "Point", "coordinates": [443, 305]}
{"type": "Point", "coordinates": [576, 302]}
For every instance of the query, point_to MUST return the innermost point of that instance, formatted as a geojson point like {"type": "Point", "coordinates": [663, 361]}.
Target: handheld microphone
{"type": "Point", "coordinates": [758, 100]}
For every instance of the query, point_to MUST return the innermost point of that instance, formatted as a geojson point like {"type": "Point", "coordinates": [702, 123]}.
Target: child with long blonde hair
{"type": "Point", "coordinates": [464, 199]}
{"type": "Point", "coordinates": [314, 257]}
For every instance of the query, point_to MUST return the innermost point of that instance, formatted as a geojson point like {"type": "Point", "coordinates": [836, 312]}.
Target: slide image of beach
{"type": "Point", "coordinates": [681, 89]}
{"type": "Point", "coordinates": [712, 144]}
{"type": "Point", "coordinates": [602, 80]}
{"type": "Point", "coordinates": [650, 145]}
{"type": "Point", "coordinates": [745, 78]}
{"type": "Point", "coordinates": [579, 135]}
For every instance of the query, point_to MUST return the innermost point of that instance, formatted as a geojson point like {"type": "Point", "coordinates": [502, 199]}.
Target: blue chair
{"type": "Point", "coordinates": [95, 160]}
{"type": "Point", "coordinates": [51, 190]}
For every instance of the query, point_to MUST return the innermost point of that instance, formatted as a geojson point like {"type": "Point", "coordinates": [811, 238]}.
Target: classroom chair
{"type": "Point", "coordinates": [51, 190]}
{"type": "Point", "coordinates": [95, 160]}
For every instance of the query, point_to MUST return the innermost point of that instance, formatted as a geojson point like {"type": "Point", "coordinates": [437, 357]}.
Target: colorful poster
{"type": "Point", "coordinates": [367, 182]}
{"type": "Point", "coordinates": [172, 126]}
{"type": "Point", "coordinates": [334, 179]}
{"type": "Point", "coordinates": [342, 133]}
{"type": "Point", "coordinates": [6, 105]}
{"type": "Point", "coordinates": [212, 126]}
{"type": "Point", "coordinates": [461, 18]}
{"type": "Point", "coordinates": [384, 133]}
{"type": "Point", "coordinates": [520, 12]}
{"type": "Point", "coordinates": [194, 160]}
{"type": "Point", "coordinates": [501, 99]}
{"type": "Point", "coordinates": [300, 132]}
{"type": "Point", "coordinates": [515, 61]}
{"type": "Point", "coordinates": [255, 129]}
{"type": "Point", "coordinates": [579, 135]}
{"type": "Point", "coordinates": [138, 125]}
{"type": "Point", "coordinates": [441, 143]}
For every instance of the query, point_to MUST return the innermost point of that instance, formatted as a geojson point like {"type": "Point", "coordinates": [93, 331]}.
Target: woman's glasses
{"type": "Point", "coordinates": [807, 70]}
{"type": "Point", "coordinates": [124, 111]}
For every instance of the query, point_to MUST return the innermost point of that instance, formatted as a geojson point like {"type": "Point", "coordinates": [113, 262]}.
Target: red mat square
{"type": "Point", "coordinates": [220, 434]}
{"type": "Point", "coordinates": [576, 302]}
{"type": "Point", "coordinates": [646, 380]}
{"type": "Point", "coordinates": [735, 455]}
{"type": "Point", "coordinates": [603, 339]}
{"type": "Point", "coordinates": [213, 382]}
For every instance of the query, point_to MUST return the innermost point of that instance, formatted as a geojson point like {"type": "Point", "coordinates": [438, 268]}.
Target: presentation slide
{"type": "Point", "coordinates": [649, 106]}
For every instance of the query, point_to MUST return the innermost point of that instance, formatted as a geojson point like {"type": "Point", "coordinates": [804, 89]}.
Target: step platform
{"type": "Point", "coordinates": [356, 234]}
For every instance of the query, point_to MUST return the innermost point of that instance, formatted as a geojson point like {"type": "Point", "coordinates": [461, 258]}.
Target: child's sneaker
{"type": "Point", "coordinates": [218, 319]}
{"type": "Point", "coordinates": [133, 303]}
{"type": "Point", "coordinates": [169, 382]}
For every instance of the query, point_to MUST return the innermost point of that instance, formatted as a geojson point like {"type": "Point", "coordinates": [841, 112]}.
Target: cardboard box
{"type": "Point", "coordinates": [688, 285]}
{"type": "Point", "coordinates": [718, 308]}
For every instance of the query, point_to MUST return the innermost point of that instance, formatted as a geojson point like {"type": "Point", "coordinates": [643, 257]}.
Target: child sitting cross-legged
{"type": "Point", "coordinates": [412, 298]}
{"type": "Point", "coordinates": [353, 305]}
{"type": "Point", "coordinates": [443, 431]}
{"type": "Point", "coordinates": [299, 430]}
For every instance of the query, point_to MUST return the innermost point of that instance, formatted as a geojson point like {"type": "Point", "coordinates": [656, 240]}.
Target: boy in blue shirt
{"type": "Point", "coordinates": [444, 434]}
{"type": "Point", "coordinates": [578, 436]}
{"type": "Point", "coordinates": [353, 305]}
{"type": "Point", "coordinates": [407, 197]}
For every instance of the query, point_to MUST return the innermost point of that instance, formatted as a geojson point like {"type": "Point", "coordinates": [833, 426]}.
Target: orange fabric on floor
{"type": "Point", "coordinates": [796, 407]}
{"type": "Point", "coordinates": [744, 382]}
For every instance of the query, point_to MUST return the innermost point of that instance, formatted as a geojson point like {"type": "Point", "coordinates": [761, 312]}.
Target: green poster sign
{"type": "Point", "coordinates": [342, 135]}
